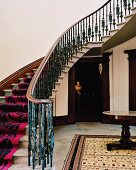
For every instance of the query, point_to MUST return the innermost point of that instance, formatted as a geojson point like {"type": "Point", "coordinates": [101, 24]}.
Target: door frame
{"type": "Point", "coordinates": [72, 81]}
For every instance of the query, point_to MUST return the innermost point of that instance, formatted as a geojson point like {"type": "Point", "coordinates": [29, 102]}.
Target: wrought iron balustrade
{"type": "Point", "coordinates": [91, 28]}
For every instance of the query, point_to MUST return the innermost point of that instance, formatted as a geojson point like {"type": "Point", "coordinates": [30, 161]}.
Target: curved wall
{"type": "Point", "coordinates": [29, 28]}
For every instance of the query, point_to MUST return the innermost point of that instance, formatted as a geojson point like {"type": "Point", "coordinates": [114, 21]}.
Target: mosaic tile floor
{"type": "Point", "coordinates": [96, 156]}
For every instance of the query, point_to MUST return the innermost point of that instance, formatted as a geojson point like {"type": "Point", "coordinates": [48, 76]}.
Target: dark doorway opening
{"type": "Point", "coordinates": [88, 101]}
{"type": "Point", "coordinates": [88, 104]}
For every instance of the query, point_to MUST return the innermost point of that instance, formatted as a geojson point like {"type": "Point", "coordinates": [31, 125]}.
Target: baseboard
{"type": "Point", "coordinates": [60, 120]}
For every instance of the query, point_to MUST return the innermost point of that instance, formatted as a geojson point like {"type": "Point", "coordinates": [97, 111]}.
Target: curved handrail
{"type": "Point", "coordinates": [91, 28]}
{"type": "Point", "coordinates": [110, 13]}
{"type": "Point", "coordinates": [33, 82]}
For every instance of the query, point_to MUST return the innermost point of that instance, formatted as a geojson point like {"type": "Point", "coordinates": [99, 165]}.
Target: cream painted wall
{"type": "Point", "coordinates": [61, 103]}
{"type": "Point", "coordinates": [28, 28]}
{"type": "Point", "coordinates": [119, 77]}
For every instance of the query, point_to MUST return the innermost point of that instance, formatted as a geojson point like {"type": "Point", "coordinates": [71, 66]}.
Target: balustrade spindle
{"type": "Point", "coordinates": [62, 51]}
{"type": "Point", "coordinates": [43, 134]}
{"type": "Point", "coordinates": [40, 142]}
{"type": "Point", "coordinates": [34, 134]}
{"type": "Point", "coordinates": [106, 26]}
{"type": "Point", "coordinates": [71, 38]}
{"type": "Point", "coordinates": [73, 41]}
{"type": "Point", "coordinates": [99, 25]}
{"type": "Point", "coordinates": [96, 28]}
{"type": "Point", "coordinates": [66, 52]}
{"type": "Point", "coordinates": [69, 46]}
{"type": "Point", "coordinates": [132, 3]}
{"type": "Point", "coordinates": [78, 37]}
{"type": "Point", "coordinates": [129, 6]}
{"type": "Point", "coordinates": [117, 11]}
{"type": "Point", "coordinates": [89, 30]}
{"type": "Point", "coordinates": [76, 44]}
{"type": "Point", "coordinates": [110, 17]}
{"type": "Point", "coordinates": [125, 6]}
{"type": "Point", "coordinates": [29, 132]}
{"type": "Point", "coordinates": [114, 20]}
{"type": "Point", "coordinates": [121, 11]}
{"type": "Point", "coordinates": [83, 33]}
{"type": "Point", "coordinates": [81, 37]}
{"type": "Point", "coordinates": [103, 23]}
{"type": "Point", "coordinates": [86, 37]}
{"type": "Point", "coordinates": [92, 27]}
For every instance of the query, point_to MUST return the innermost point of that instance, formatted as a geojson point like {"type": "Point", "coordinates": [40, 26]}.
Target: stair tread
{"type": "Point", "coordinates": [7, 90]}
{"type": "Point", "coordinates": [127, 16]}
{"type": "Point", "coordinates": [14, 84]}
{"type": "Point", "coordinates": [95, 42]}
{"type": "Point", "coordinates": [71, 61]}
{"type": "Point", "coordinates": [24, 138]}
{"type": "Point", "coordinates": [80, 51]}
{"type": "Point", "coordinates": [20, 166]}
{"type": "Point", "coordinates": [121, 23]}
{"type": "Point", "coordinates": [2, 97]}
{"type": "Point", "coordinates": [87, 47]}
{"type": "Point", "coordinates": [106, 36]}
{"type": "Point", "coordinates": [21, 152]}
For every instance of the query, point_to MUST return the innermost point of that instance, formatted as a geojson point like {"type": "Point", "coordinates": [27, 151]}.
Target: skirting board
{"type": "Point", "coordinates": [60, 120]}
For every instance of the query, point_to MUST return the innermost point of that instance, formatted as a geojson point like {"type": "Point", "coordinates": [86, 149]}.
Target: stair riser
{"type": "Point", "coordinates": [29, 75]}
{"type": "Point", "coordinates": [57, 86]}
{"type": "Point", "coordinates": [14, 86]}
{"type": "Point", "coordinates": [134, 10]}
{"type": "Point", "coordinates": [2, 100]}
{"type": "Point", "coordinates": [67, 69]}
{"type": "Point", "coordinates": [71, 64]}
{"type": "Point", "coordinates": [94, 45]}
{"type": "Point", "coordinates": [7, 93]}
{"type": "Point", "coordinates": [80, 54]}
{"type": "Point", "coordinates": [23, 144]}
{"type": "Point", "coordinates": [26, 130]}
{"type": "Point", "coordinates": [85, 49]}
{"type": "Point", "coordinates": [120, 25]}
{"type": "Point", "coordinates": [21, 80]}
{"type": "Point", "coordinates": [75, 59]}
{"type": "Point", "coordinates": [113, 32]}
{"type": "Point", "coordinates": [104, 39]}
{"type": "Point", "coordinates": [54, 93]}
{"type": "Point", "coordinates": [20, 159]}
{"type": "Point", "coordinates": [128, 18]}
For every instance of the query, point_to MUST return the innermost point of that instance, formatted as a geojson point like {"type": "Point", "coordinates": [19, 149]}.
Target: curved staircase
{"type": "Point", "coordinates": [66, 51]}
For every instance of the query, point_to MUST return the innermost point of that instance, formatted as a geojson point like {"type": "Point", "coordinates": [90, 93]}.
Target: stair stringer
{"type": "Point", "coordinates": [60, 92]}
{"type": "Point", "coordinates": [113, 33]}
{"type": "Point", "coordinates": [63, 79]}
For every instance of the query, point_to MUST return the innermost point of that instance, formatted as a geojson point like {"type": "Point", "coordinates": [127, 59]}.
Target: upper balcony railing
{"type": "Point", "coordinates": [91, 28]}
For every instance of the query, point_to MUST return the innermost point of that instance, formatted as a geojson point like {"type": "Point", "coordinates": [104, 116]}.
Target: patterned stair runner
{"type": "Point", "coordinates": [13, 119]}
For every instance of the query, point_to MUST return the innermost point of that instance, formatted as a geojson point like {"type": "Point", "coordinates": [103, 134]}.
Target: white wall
{"type": "Point", "coordinates": [119, 77]}
{"type": "Point", "coordinates": [62, 97]}
{"type": "Point", "coordinates": [28, 28]}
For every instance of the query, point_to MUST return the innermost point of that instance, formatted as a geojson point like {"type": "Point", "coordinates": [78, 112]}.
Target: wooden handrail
{"type": "Point", "coordinates": [37, 74]}
{"type": "Point", "coordinates": [6, 83]}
